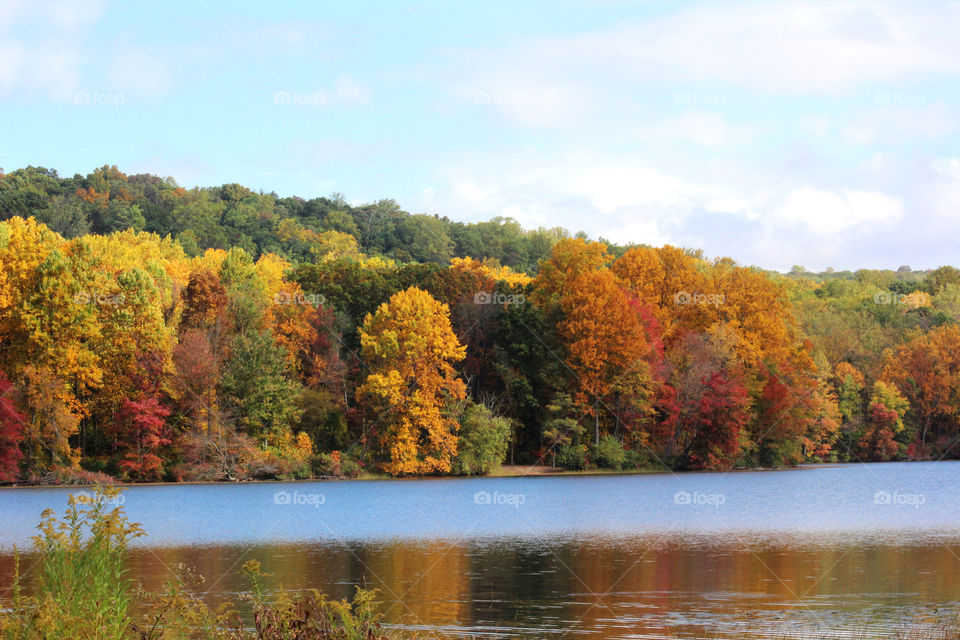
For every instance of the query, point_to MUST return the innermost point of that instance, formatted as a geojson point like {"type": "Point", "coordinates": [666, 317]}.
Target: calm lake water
{"type": "Point", "coordinates": [741, 555]}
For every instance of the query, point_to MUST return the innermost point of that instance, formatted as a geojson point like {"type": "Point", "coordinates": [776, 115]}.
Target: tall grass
{"type": "Point", "coordinates": [85, 592]}
{"type": "Point", "coordinates": [84, 588]}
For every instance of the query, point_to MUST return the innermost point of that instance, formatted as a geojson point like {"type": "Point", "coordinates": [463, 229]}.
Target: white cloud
{"type": "Point", "coordinates": [41, 45]}
{"type": "Point", "coordinates": [744, 207]}
{"type": "Point", "coordinates": [784, 46]}
{"type": "Point", "coordinates": [933, 120]}
{"type": "Point", "coordinates": [614, 186]}
{"type": "Point", "coordinates": [832, 212]}
{"type": "Point", "coordinates": [946, 189]}
{"type": "Point", "coordinates": [707, 128]}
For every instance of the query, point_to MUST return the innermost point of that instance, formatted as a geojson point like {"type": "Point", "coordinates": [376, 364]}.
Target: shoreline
{"type": "Point", "coordinates": [505, 471]}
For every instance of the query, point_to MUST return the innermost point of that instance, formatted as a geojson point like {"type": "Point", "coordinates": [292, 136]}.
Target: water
{"type": "Point", "coordinates": [746, 554]}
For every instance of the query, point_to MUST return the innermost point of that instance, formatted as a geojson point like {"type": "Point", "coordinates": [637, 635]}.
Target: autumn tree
{"type": "Point", "coordinates": [885, 423]}
{"type": "Point", "coordinates": [606, 344]}
{"type": "Point", "coordinates": [719, 421]}
{"type": "Point", "coordinates": [409, 349]}
{"type": "Point", "coordinates": [569, 259]}
{"type": "Point", "coordinates": [141, 431]}
{"type": "Point", "coordinates": [139, 427]}
{"type": "Point", "coordinates": [702, 407]}
{"type": "Point", "coordinates": [53, 417]}
{"type": "Point", "coordinates": [926, 369]}
{"type": "Point", "coordinates": [12, 424]}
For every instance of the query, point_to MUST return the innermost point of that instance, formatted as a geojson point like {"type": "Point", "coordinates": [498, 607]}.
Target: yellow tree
{"type": "Point", "coordinates": [49, 334]}
{"type": "Point", "coordinates": [672, 282]}
{"type": "Point", "coordinates": [569, 259]}
{"type": "Point", "coordinates": [409, 347]}
{"type": "Point", "coordinates": [290, 311]}
{"type": "Point", "coordinates": [757, 307]}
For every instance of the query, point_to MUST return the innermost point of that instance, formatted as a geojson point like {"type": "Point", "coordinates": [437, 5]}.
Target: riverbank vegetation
{"type": "Point", "coordinates": [154, 333]}
{"type": "Point", "coordinates": [85, 591]}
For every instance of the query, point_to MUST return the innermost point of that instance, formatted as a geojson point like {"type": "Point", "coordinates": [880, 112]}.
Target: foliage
{"type": "Point", "coordinates": [337, 464]}
{"type": "Point", "coordinates": [409, 348]}
{"type": "Point", "coordinates": [610, 454]}
{"type": "Point", "coordinates": [561, 429]}
{"type": "Point", "coordinates": [484, 438]}
{"type": "Point", "coordinates": [572, 457]}
{"type": "Point", "coordinates": [84, 589]}
{"type": "Point", "coordinates": [85, 592]}
{"type": "Point", "coordinates": [197, 333]}
{"type": "Point", "coordinates": [11, 433]}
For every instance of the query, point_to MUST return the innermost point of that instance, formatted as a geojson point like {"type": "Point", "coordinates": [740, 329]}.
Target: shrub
{"type": "Point", "coordinates": [219, 454]}
{"type": "Point", "coordinates": [312, 615]}
{"type": "Point", "coordinates": [634, 459]}
{"type": "Point", "coordinates": [336, 464]}
{"type": "Point", "coordinates": [610, 454]}
{"type": "Point", "coordinates": [61, 475]}
{"type": "Point", "coordinates": [483, 442]}
{"type": "Point", "coordinates": [572, 457]}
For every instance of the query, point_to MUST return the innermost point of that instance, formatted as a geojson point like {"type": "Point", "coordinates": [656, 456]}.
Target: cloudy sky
{"type": "Point", "coordinates": [778, 133]}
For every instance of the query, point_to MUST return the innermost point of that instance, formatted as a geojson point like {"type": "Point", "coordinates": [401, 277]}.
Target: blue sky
{"type": "Point", "coordinates": [778, 133]}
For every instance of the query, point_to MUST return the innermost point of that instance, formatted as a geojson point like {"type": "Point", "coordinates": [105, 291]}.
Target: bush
{"type": "Point", "coordinates": [336, 464]}
{"type": "Point", "coordinates": [70, 476]}
{"type": "Point", "coordinates": [635, 459]}
{"type": "Point", "coordinates": [610, 454]}
{"type": "Point", "coordinates": [312, 615]}
{"type": "Point", "coordinates": [220, 454]}
{"type": "Point", "coordinates": [483, 442]}
{"type": "Point", "coordinates": [572, 457]}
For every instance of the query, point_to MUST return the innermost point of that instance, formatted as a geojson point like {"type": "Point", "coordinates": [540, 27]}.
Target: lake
{"type": "Point", "coordinates": [741, 555]}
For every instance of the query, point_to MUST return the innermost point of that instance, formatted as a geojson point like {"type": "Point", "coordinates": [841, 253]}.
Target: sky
{"type": "Point", "coordinates": [777, 133]}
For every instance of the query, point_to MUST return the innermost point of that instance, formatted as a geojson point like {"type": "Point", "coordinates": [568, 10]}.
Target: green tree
{"type": "Point", "coordinates": [484, 438]}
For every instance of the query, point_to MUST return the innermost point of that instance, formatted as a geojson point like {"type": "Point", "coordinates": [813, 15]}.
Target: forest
{"type": "Point", "coordinates": [150, 332]}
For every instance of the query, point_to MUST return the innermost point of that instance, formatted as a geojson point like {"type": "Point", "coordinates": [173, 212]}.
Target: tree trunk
{"type": "Point", "coordinates": [596, 421]}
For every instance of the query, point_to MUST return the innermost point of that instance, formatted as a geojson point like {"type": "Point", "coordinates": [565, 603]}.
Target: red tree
{"type": "Point", "coordinates": [879, 442]}
{"type": "Point", "coordinates": [141, 430]}
{"type": "Point", "coordinates": [11, 433]}
{"type": "Point", "coordinates": [721, 416]}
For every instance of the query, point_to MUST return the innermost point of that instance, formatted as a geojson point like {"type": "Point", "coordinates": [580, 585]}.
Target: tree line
{"type": "Point", "coordinates": [148, 332]}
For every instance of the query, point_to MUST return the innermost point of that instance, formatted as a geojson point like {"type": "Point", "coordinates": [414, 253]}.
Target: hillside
{"type": "Point", "coordinates": [151, 332]}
